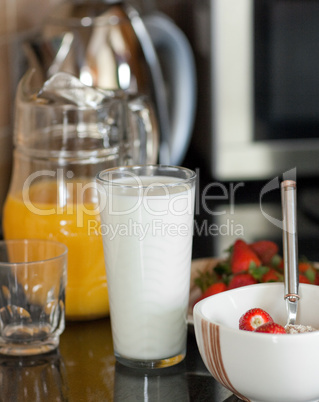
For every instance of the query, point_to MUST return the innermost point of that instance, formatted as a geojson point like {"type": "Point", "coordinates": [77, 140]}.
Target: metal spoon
{"type": "Point", "coordinates": [290, 248]}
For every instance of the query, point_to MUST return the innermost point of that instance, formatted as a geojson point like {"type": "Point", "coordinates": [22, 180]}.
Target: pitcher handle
{"type": "Point", "coordinates": [168, 38]}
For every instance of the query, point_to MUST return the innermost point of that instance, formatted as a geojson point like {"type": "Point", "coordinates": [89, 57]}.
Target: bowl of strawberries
{"type": "Point", "coordinates": [245, 264]}
{"type": "Point", "coordinates": [246, 345]}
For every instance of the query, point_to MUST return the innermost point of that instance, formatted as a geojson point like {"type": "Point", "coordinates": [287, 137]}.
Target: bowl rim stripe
{"type": "Point", "coordinates": [212, 348]}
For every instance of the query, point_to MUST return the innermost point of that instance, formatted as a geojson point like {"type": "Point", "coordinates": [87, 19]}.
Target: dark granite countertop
{"type": "Point", "coordinates": [84, 369]}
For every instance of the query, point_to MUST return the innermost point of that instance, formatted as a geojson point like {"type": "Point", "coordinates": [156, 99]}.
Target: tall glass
{"type": "Point", "coordinates": [147, 226]}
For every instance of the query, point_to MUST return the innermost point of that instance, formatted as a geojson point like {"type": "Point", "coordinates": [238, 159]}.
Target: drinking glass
{"type": "Point", "coordinates": [147, 225]}
{"type": "Point", "coordinates": [33, 277]}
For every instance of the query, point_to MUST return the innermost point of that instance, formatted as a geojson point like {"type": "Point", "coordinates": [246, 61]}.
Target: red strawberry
{"type": "Point", "coordinates": [240, 280]}
{"type": "Point", "coordinates": [272, 276]}
{"type": "Point", "coordinates": [304, 266]}
{"type": "Point", "coordinates": [303, 279]}
{"type": "Point", "coordinates": [307, 272]}
{"type": "Point", "coordinates": [213, 290]}
{"type": "Point", "coordinates": [265, 250]}
{"type": "Point", "coordinates": [280, 265]}
{"type": "Point", "coordinates": [271, 328]}
{"type": "Point", "coordinates": [242, 257]}
{"type": "Point", "coordinates": [253, 318]}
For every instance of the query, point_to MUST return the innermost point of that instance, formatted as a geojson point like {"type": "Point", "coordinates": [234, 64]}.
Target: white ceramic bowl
{"type": "Point", "coordinates": [256, 366]}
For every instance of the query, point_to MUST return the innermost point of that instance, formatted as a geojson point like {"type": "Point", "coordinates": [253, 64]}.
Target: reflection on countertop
{"type": "Point", "coordinates": [87, 350]}
{"type": "Point", "coordinates": [37, 378]}
{"type": "Point", "coordinates": [84, 369]}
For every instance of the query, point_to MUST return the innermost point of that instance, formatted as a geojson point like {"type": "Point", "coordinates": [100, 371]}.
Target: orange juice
{"type": "Point", "coordinates": [44, 211]}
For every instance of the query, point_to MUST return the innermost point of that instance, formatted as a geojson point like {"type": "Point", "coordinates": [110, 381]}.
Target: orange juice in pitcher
{"type": "Point", "coordinates": [64, 134]}
{"type": "Point", "coordinates": [36, 213]}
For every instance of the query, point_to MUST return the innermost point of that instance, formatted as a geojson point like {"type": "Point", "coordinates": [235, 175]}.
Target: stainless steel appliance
{"type": "Point", "coordinates": [261, 87]}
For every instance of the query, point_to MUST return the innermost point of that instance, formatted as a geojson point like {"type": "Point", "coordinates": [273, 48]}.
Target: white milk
{"type": "Point", "coordinates": [147, 247]}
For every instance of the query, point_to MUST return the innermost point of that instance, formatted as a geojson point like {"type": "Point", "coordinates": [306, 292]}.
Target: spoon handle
{"type": "Point", "coordinates": [290, 246]}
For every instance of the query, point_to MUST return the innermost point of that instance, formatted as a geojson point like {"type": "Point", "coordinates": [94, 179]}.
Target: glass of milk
{"type": "Point", "coordinates": [147, 215]}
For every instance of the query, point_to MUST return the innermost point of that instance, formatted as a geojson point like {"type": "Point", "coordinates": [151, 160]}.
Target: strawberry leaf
{"type": "Point", "coordinates": [276, 261]}
{"type": "Point", "coordinates": [229, 250]}
{"type": "Point", "coordinates": [257, 272]}
{"type": "Point", "coordinates": [311, 274]}
{"type": "Point", "coordinates": [205, 280]}
{"type": "Point", "coordinates": [223, 268]}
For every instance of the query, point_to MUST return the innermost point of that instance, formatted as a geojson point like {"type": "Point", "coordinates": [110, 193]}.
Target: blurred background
{"type": "Point", "coordinates": [256, 117]}
{"type": "Point", "coordinates": [20, 20]}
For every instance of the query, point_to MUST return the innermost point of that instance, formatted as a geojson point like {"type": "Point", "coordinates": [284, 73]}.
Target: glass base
{"type": "Point", "coordinates": [28, 348]}
{"type": "Point", "coordinates": [150, 364]}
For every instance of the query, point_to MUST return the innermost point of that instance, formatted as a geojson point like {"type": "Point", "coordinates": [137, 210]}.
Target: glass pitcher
{"type": "Point", "coordinates": [59, 148]}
